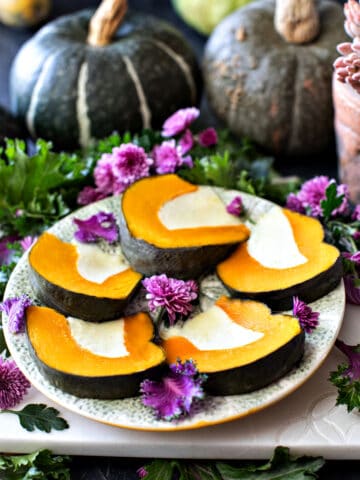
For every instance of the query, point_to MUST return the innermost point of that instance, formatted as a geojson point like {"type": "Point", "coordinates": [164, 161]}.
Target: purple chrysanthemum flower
{"type": "Point", "coordinates": [356, 235]}
{"type": "Point", "coordinates": [294, 204]}
{"type": "Point", "coordinates": [5, 252]}
{"type": "Point", "coordinates": [308, 319]}
{"type": "Point", "coordinates": [351, 290]}
{"type": "Point", "coordinates": [353, 371]}
{"type": "Point", "coordinates": [115, 171]}
{"type": "Point", "coordinates": [27, 242]}
{"type": "Point", "coordinates": [353, 257]}
{"type": "Point", "coordinates": [356, 213]}
{"type": "Point", "coordinates": [101, 225]}
{"type": "Point", "coordinates": [186, 142]}
{"type": "Point", "coordinates": [176, 296]}
{"type": "Point", "coordinates": [174, 395]}
{"type": "Point", "coordinates": [15, 309]}
{"type": "Point", "coordinates": [142, 472]}
{"type": "Point", "coordinates": [235, 207]}
{"type": "Point", "coordinates": [90, 195]}
{"type": "Point", "coordinates": [167, 157]}
{"type": "Point", "coordinates": [208, 137]}
{"type": "Point", "coordinates": [13, 384]}
{"type": "Point", "coordinates": [179, 121]}
{"type": "Point", "coordinates": [343, 209]}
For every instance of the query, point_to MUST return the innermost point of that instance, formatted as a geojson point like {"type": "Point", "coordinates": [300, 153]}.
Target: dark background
{"type": "Point", "coordinates": [84, 468]}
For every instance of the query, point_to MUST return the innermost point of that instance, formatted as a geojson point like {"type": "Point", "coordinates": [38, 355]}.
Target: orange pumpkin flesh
{"type": "Point", "coordinates": [246, 277]}
{"type": "Point", "coordinates": [151, 248]}
{"type": "Point", "coordinates": [79, 371]}
{"type": "Point", "coordinates": [242, 369]}
{"type": "Point", "coordinates": [58, 283]}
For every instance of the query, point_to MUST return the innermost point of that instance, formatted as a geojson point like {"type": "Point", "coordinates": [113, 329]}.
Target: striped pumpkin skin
{"type": "Point", "coordinates": [70, 92]}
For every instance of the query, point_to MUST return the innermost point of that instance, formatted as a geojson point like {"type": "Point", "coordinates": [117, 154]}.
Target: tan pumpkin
{"type": "Point", "coordinates": [268, 70]}
{"type": "Point", "coordinates": [24, 13]}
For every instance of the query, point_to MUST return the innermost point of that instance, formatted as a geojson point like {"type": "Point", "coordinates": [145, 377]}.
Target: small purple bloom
{"type": "Point", "coordinates": [235, 207]}
{"type": "Point", "coordinates": [174, 395]}
{"type": "Point", "coordinates": [308, 319]}
{"type": "Point", "coordinates": [294, 204]}
{"type": "Point", "coordinates": [356, 235]}
{"type": "Point", "coordinates": [27, 242]}
{"type": "Point", "coordinates": [344, 208]}
{"type": "Point", "coordinates": [351, 290]}
{"type": "Point", "coordinates": [90, 195]}
{"type": "Point", "coordinates": [101, 225]}
{"type": "Point", "coordinates": [167, 157]}
{"type": "Point", "coordinates": [176, 296]}
{"type": "Point", "coordinates": [13, 384]}
{"type": "Point", "coordinates": [356, 213]}
{"type": "Point", "coordinates": [353, 257]}
{"type": "Point", "coordinates": [186, 142]}
{"type": "Point", "coordinates": [115, 171]}
{"type": "Point", "coordinates": [179, 121]}
{"type": "Point", "coordinates": [5, 252]}
{"type": "Point", "coordinates": [208, 137]}
{"type": "Point", "coordinates": [15, 309]}
{"type": "Point", "coordinates": [142, 472]}
{"type": "Point", "coordinates": [353, 372]}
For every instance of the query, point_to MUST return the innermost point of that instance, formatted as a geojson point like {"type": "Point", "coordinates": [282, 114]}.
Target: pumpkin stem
{"type": "Point", "coordinates": [106, 21]}
{"type": "Point", "coordinates": [297, 21]}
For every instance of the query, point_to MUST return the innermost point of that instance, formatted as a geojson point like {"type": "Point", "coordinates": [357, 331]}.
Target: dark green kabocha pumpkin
{"type": "Point", "coordinates": [86, 75]}
{"type": "Point", "coordinates": [268, 69]}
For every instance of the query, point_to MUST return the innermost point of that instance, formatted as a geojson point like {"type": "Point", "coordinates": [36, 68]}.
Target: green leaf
{"type": "Point", "coordinates": [162, 469]}
{"type": "Point", "coordinates": [348, 389]}
{"type": "Point", "coordinates": [39, 416]}
{"type": "Point", "coordinates": [332, 200]}
{"type": "Point", "coordinates": [39, 465]}
{"type": "Point", "coordinates": [280, 467]}
{"type": "Point", "coordinates": [191, 471]}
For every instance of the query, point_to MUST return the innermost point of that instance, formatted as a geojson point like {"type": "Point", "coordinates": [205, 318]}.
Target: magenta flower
{"type": "Point", "coordinates": [208, 137]}
{"type": "Point", "coordinates": [90, 195]}
{"type": "Point", "coordinates": [115, 171]}
{"type": "Point", "coordinates": [353, 371]}
{"type": "Point", "coordinates": [352, 290]}
{"type": "Point", "coordinates": [142, 472]}
{"type": "Point", "coordinates": [294, 204]}
{"type": "Point", "coordinates": [176, 296]}
{"type": "Point", "coordinates": [235, 207]}
{"type": "Point", "coordinates": [15, 310]}
{"type": "Point", "coordinates": [356, 213]}
{"type": "Point", "coordinates": [186, 142]}
{"type": "Point", "coordinates": [179, 121]}
{"type": "Point", "coordinates": [167, 157]}
{"type": "Point", "coordinates": [353, 257]}
{"type": "Point", "coordinates": [13, 384]}
{"type": "Point", "coordinates": [356, 235]}
{"type": "Point", "coordinates": [101, 225]}
{"type": "Point", "coordinates": [27, 242]}
{"type": "Point", "coordinates": [308, 319]}
{"type": "Point", "coordinates": [175, 394]}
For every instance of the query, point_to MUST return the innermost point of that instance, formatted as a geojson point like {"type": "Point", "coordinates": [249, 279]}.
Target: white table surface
{"type": "Point", "coordinates": [307, 421]}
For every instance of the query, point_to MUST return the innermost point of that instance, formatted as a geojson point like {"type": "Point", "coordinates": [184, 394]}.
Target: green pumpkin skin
{"type": "Point", "coordinates": [137, 81]}
{"type": "Point", "coordinates": [262, 87]}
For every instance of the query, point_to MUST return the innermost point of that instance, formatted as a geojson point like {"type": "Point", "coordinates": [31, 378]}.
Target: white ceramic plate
{"type": "Point", "coordinates": [130, 413]}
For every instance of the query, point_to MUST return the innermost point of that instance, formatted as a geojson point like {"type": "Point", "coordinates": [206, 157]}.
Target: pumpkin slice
{"type": "Point", "coordinates": [171, 226]}
{"type": "Point", "coordinates": [81, 280]}
{"type": "Point", "coordinates": [285, 256]}
{"type": "Point", "coordinates": [238, 344]}
{"type": "Point", "coordinates": [105, 361]}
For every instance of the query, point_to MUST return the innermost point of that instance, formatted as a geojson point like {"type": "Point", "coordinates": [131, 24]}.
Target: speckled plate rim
{"type": "Point", "coordinates": [130, 413]}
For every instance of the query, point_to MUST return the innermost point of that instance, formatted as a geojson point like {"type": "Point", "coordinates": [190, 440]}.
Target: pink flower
{"type": "Point", "coordinates": [356, 213]}
{"type": "Point", "coordinates": [175, 394]}
{"type": "Point", "coordinates": [294, 204]}
{"type": "Point", "coordinates": [186, 142]}
{"type": "Point", "coordinates": [15, 310]}
{"type": "Point", "coordinates": [167, 157]}
{"type": "Point", "coordinates": [27, 242]}
{"type": "Point", "coordinates": [142, 472]}
{"type": "Point", "coordinates": [308, 319]}
{"type": "Point", "coordinates": [115, 171]}
{"type": "Point", "coordinates": [353, 257]}
{"type": "Point", "coordinates": [352, 14]}
{"type": "Point", "coordinates": [90, 195]}
{"type": "Point", "coordinates": [352, 291]}
{"type": "Point", "coordinates": [179, 121]}
{"type": "Point", "coordinates": [235, 207]}
{"type": "Point", "coordinates": [13, 384]}
{"type": "Point", "coordinates": [342, 189]}
{"type": "Point", "coordinates": [101, 225]}
{"type": "Point", "coordinates": [176, 296]}
{"type": "Point", "coordinates": [208, 137]}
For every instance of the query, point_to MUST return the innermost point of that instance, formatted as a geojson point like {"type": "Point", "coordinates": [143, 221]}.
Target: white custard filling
{"type": "Point", "coordinates": [272, 242]}
{"type": "Point", "coordinates": [95, 265]}
{"type": "Point", "coordinates": [213, 330]}
{"type": "Point", "coordinates": [103, 339]}
{"type": "Point", "coordinates": [202, 208]}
